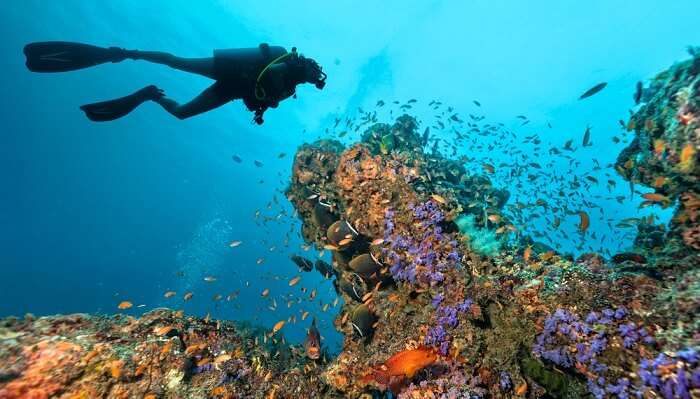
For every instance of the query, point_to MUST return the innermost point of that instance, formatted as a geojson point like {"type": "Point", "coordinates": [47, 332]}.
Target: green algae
{"type": "Point", "coordinates": [557, 383]}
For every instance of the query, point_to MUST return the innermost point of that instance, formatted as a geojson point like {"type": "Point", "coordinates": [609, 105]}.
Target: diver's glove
{"type": "Point", "coordinates": [258, 107]}
{"type": "Point", "coordinates": [258, 118]}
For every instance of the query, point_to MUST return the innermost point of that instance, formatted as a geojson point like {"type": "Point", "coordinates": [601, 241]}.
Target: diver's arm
{"type": "Point", "coordinates": [212, 97]}
{"type": "Point", "coordinates": [273, 88]}
{"type": "Point", "coordinates": [256, 106]}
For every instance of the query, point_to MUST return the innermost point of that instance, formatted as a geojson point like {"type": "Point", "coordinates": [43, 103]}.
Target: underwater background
{"type": "Point", "coordinates": [95, 214]}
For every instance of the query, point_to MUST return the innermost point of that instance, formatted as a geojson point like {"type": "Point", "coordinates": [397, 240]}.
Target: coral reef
{"type": "Point", "coordinates": [160, 355]}
{"type": "Point", "coordinates": [665, 152]}
{"type": "Point", "coordinates": [502, 315]}
{"type": "Point", "coordinates": [443, 296]}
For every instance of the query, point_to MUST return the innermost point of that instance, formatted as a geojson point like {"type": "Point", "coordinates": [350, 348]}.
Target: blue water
{"type": "Point", "coordinates": [93, 214]}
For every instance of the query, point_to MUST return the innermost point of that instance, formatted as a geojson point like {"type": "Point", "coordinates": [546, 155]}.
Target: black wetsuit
{"type": "Point", "coordinates": [237, 70]}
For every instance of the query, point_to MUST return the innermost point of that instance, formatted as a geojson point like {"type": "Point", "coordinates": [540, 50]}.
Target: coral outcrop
{"type": "Point", "coordinates": [427, 261]}
{"type": "Point", "coordinates": [665, 152]}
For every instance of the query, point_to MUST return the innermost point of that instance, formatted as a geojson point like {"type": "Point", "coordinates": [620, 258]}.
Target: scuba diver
{"type": "Point", "coordinates": [261, 76]}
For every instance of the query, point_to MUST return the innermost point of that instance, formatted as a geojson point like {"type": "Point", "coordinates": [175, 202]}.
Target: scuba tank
{"type": "Point", "coordinates": [242, 65]}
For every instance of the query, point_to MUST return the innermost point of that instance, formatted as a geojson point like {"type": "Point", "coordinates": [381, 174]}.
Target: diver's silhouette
{"type": "Point", "coordinates": [261, 76]}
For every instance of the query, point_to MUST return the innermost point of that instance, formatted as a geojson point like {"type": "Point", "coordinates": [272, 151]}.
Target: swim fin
{"type": "Point", "coordinates": [115, 109]}
{"type": "Point", "coordinates": [69, 56]}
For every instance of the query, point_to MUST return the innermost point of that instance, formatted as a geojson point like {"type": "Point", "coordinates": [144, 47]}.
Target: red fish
{"type": "Point", "coordinates": [401, 367]}
{"type": "Point", "coordinates": [312, 344]}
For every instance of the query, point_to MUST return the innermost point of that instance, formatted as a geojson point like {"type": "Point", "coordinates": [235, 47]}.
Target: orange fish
{"type": "Point", "coordinates": [527, 253]}
{"type": "Point", "coordinates": [116, 368]}
{"type": "Point", "coordinates": [649, 125]}
{"type": "Point", "coordinates": [222, 358]}
{"type": "Point", "coordinates": [345, 241]}
{"type": "Point", "coordinates": [378, 241]}
{"type": "Point", "coordinates": [547, 255]}
{"type": "Point", "coordinates": [278, 326]}
{"type": "Point", "coordinates": [659, 182]}
{"type": "Point", "coordinates": [584, 221]}
{"type": "Point", "coordinates": [160, 331]}
{"type": "Point", "coordinates": [659, 147]}
{"type": "Point", "coordinates": [294, 281]}
{"type": "Point", "coordinates": [125, 305]}
{"type": "Point", "coordinates": [312, 344]}
{"type": "Point", "coordinates": [439, 199]}
{"type": "Point", "coordinates": [488, 168]}
{"type": "Point", "coordinates": [657, 198]}
{"type": "Point", "coordinates": [686, 160]}
{"type": "Point", "coordinates": [402, 366]}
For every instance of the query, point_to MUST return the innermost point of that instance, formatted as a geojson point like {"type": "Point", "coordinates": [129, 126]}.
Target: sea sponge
{"type": "Point", "coordinates": [46, 371]}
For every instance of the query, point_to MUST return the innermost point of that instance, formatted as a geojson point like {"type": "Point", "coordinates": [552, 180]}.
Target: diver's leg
{"type": "Point", "coordinates": [213, 97]}
{"type": "Point", "coordinates": [200, 66]}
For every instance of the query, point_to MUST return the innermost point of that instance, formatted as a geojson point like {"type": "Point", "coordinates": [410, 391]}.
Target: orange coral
{"type": "Point", "coordinates": [41, 378]}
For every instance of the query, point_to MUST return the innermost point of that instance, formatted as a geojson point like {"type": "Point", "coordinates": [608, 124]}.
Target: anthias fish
{"type": "Point", "coordinates": [312, 343]}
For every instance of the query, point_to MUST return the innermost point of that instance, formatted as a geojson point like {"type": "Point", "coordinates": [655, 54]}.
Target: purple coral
{"type": "Point", "coordinates": [437, 300]}
{"type": "Point", "coordinates": [505, 381]}
{"type": "Point", "coordinates": [422, 255]}
{"type": "Point", "coordinates": [631, 334]}
{"type": "Point", "coordinates": [205, 368]}
{"type": "Point", "coordinates": [447, 318]}
{"type": "Point", "coordinates": [672, 376]}
{"type": "Point", "coordinates": [568, 341]}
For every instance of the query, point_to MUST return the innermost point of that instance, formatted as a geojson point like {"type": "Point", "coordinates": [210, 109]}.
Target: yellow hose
{"type": "Point", "coordinates": [260, 75]}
